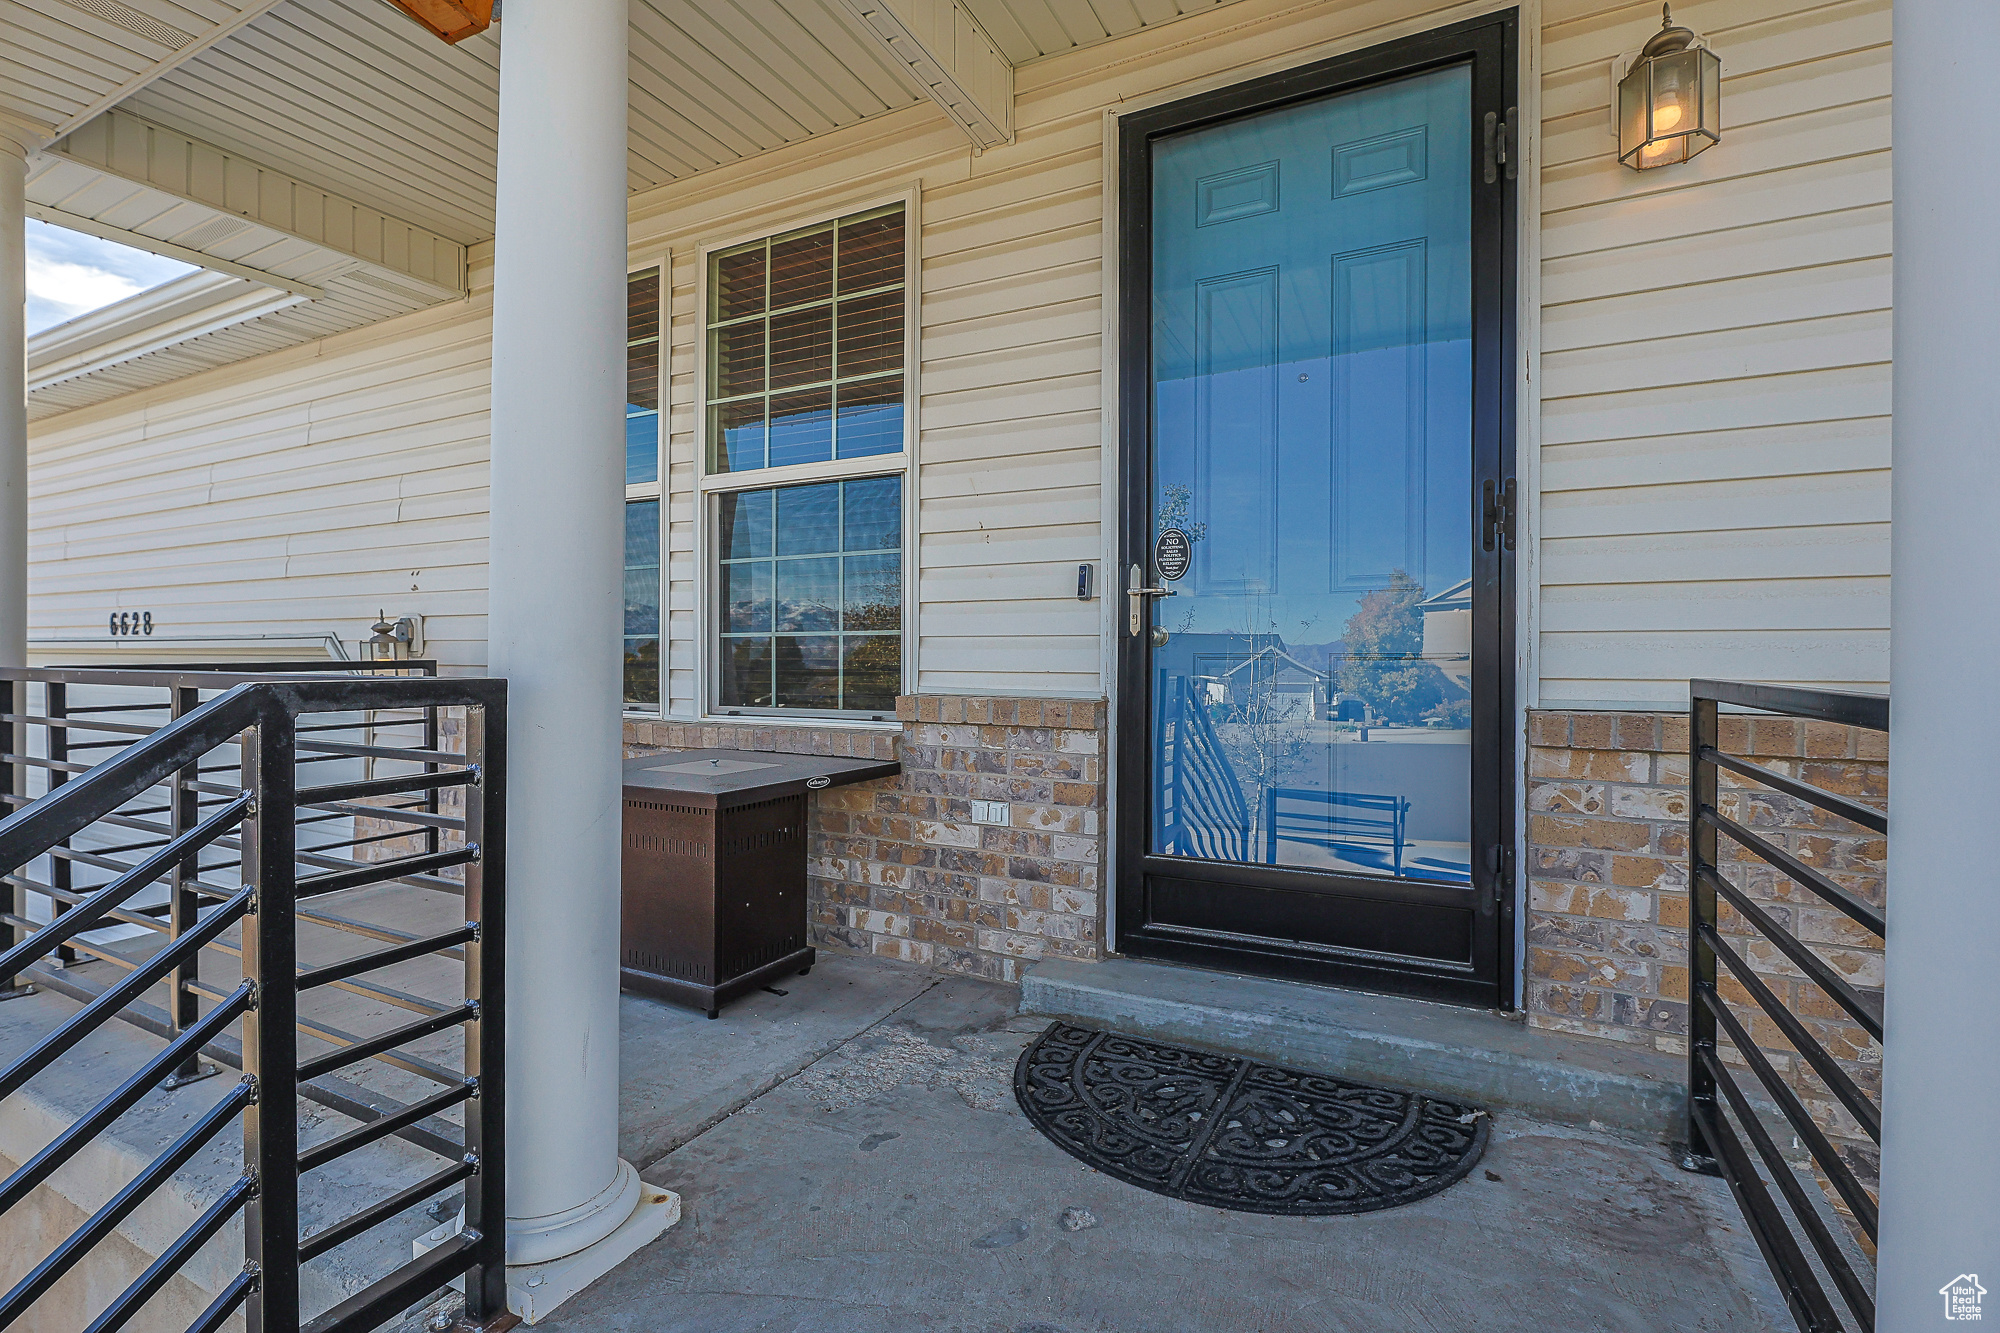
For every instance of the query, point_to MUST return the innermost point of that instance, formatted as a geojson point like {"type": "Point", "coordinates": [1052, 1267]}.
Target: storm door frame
{"type": "Point", "coordinates": [1491, 44]}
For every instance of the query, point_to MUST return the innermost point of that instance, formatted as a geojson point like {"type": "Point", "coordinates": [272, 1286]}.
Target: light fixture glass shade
{"type": "Point", "coordinates": [1669, 103]}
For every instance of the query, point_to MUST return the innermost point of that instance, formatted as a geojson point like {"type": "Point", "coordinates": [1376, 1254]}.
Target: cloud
{"type": "Point", "coordinates": [70, 274]}
{"type": "Point", "coordinates": [75, 289]}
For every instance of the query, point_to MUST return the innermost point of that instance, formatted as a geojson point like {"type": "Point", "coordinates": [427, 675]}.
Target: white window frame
{"type": "Point", "coordinates": [711, 486]}
{"type": "Point", "coordinates": [657, 488]}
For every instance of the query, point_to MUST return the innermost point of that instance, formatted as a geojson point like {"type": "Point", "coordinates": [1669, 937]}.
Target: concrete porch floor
{"type": "Point", "coordinates": [850, 1159]}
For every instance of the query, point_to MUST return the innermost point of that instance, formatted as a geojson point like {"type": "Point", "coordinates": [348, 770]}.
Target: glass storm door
{"type": "Point", "coordinates": [1308, 614]}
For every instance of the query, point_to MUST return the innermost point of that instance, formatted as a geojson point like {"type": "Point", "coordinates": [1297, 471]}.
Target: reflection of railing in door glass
{"type": "Point", "coordinates": [1349, 755]}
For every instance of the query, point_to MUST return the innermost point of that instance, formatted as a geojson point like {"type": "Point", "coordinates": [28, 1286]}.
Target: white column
{"type": "Point", "coordinates": [13, 403]}
{"type": "Point", "coordinates": [1940, 1172]}
{"type": "Point", "coordinates": [555, 609]}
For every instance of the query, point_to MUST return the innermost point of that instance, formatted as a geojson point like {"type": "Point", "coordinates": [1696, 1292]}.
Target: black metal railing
{"type": "Point", "coordinates": [1717, 1103]}
{"type": "Point", "coordinates": [213, 811]}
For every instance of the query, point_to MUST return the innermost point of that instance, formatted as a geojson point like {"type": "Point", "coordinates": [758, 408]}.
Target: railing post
{"type": "Point", "coordinates": [13, 782]}
{"type": "Point", "coordinates": [184, 904]}
{"type": "Point", "coordinates": [270, 1040]}
{"type": "Point", "coordinates": [485, 1048]}
{"type": "Point", "coordinates": [432, 834]}
{"type": "Point", "coordinates": [62, 874]}
{"type": "Point", "coordinates": [1703, 732]}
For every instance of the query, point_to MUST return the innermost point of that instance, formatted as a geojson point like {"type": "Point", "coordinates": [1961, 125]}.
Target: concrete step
{"type": "Point", "coordinates": [1466, 1054]}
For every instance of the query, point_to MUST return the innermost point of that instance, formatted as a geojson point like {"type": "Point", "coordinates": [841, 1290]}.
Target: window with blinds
{"type": "Point", "coordinates": [642, 489]}
{"type": "Point", "coordinates": [805, 345]}
{"type": "Point", "coordinates": [805, 369]}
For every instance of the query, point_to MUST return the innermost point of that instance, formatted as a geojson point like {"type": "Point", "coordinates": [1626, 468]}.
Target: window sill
{"type": "Point", "coordinates": [889, 724]}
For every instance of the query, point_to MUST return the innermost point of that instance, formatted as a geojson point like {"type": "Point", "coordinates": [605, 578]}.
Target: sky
{"type": "Point", "coordinates": [70, 274]}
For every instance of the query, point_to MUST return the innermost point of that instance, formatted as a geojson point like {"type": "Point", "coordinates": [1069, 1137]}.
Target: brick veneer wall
{"type": "Point", "coordinates": [900, 869]}
{"type": "Point", "coordinates": [1607, 902]}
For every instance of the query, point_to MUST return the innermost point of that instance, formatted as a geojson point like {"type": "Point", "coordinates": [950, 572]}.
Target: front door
{"type": "Point", "coordinates": [1313, 604]}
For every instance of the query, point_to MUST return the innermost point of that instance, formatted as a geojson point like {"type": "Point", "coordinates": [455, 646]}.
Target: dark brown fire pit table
{"type": "Point", "coordinates": [715, 869]}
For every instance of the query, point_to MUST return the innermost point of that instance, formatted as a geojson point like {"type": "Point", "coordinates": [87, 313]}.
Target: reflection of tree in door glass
{"type": "Point", "coordinates": [1383, 663]}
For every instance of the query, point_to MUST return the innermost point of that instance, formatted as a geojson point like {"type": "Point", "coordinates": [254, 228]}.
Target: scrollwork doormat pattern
{"type": "Point", "coordinates": [1231, 1133]}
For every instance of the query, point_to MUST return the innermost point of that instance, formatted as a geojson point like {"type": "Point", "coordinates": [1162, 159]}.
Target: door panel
{"type": "Point", "coordinates": [1311, 772]}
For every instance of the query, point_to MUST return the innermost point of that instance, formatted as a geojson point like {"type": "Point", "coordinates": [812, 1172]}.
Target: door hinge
{"type": "Point", "coordinates": [1498, 511]}
{"type": "Point", "coordinates": [1503, 146]}
{"type": "Point", "coordinates": [1503, 868]}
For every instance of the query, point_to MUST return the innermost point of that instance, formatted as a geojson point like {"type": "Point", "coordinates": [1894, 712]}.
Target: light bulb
{"type": "Point", "coordinates": [1666, 115]}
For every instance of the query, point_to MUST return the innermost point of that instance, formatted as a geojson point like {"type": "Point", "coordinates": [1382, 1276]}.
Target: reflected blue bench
{"type": "Point", "coordinates": [1334, 819]}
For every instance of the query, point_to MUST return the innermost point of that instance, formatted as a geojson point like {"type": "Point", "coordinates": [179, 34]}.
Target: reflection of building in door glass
{"type": "Point", "coordinates": [1447, 639]}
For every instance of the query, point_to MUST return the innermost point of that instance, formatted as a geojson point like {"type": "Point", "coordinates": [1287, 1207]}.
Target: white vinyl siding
{"type": "Point", "coordinates": [295, 495]}
{"type": "Point", "coordinates": [1715, 362]}
{"type": "Point", "coordinates": [1713, 373]}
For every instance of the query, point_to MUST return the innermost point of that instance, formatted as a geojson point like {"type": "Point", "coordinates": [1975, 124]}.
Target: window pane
{"type": "Point", "coordinates": [739, 359]}
{"type": "Point", "coordinates": [872, 672]}
{"type": "Point", "coordinates": [872, 595]}
{"type": "Point", "coordinates": [774, 325]}
{"type": "Point", "coordinates": [642, 376]}
{"type": "Point", "coordinates": [799, 615]}
{"type": "Point", "coordinates": [802, 346]}
{"type": "Point", "coordinates": [802, 268]}
{"type": "Point", "coordinates": [642, 447]}
{"type": "Point", "coordinates": [809, 519]}
{"type": "Point", "coordinates": [871, 334]}
{"type": "Point", "coordinates": [802, 427]}
{"type": "Point", "coordinates": [808, 668]}
{"type": "Point", "coordinates": [746, 673]}
{"type": "Point", "coordinates": [871, 418]}
{"type": "Point", "coordinates": [737, 430]}
{"type": "Point", "coordinates": [642, 305]}
{"type": "Point", "coordinates": [642, 671]}
{"type": "Point", "coordinates": [642, 533]}
{"type": "Point", "coordinates": [746, 524]}
{"type": "Point", "coordinates": [808, 594]}
{"type": "Point", "coordinates": [871, 252]}
{"type": "Point", "coordinates": [738, 288]}
{"type": "Point", "coordinates": [746, 597]}
{"type": "Point", "coordinates": [874, 514]}
{"type": "Point", "coordinates": [642, 602]}
{"type": "Point", "coordinates": [642, 599]}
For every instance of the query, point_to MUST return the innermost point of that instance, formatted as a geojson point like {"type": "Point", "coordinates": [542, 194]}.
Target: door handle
{"type": "Point", "coordinates": [1136, 594]}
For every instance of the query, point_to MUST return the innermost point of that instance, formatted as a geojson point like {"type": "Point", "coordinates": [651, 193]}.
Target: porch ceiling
{"type": "Point", "coordinates": [1029, 29]}
{"type": "Point", "coordinates": [353, 99]}
{"type": "Point", "coordinates": [352, 94]}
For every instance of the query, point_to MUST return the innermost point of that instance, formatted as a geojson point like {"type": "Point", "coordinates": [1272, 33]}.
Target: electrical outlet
{"type": "Point", "coordinates": [990, 812]}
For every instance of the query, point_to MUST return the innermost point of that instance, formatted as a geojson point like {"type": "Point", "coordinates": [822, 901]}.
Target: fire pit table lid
{"type": "Point", "coordinates": [735, 777]}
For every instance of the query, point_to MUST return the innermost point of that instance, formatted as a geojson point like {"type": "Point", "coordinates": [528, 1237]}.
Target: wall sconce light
{"type": "Point", "coordinates": [394, 640]}
{"type": "Point", "coordinates": [1670, 100]}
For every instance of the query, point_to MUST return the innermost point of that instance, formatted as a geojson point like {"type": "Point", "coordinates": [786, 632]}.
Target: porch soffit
{"type": "Point", "coordinates": [351, 100]}
{"type": "Point", "coordinates": [1027, 30]}
{"type": "Point", "coordinates": [351, 94]}
{"type": "Point", "coordinates": [64, 61]}
{"type": "Point", "coordinates": [288, 261]}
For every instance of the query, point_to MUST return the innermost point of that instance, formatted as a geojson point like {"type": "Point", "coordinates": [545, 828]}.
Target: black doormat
{"type": "Point", "coordinates": [1231, 1133]}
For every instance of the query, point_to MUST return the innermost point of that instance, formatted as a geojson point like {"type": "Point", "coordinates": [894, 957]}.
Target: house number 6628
{"type": "Point", "coordinates": [126, 623]}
